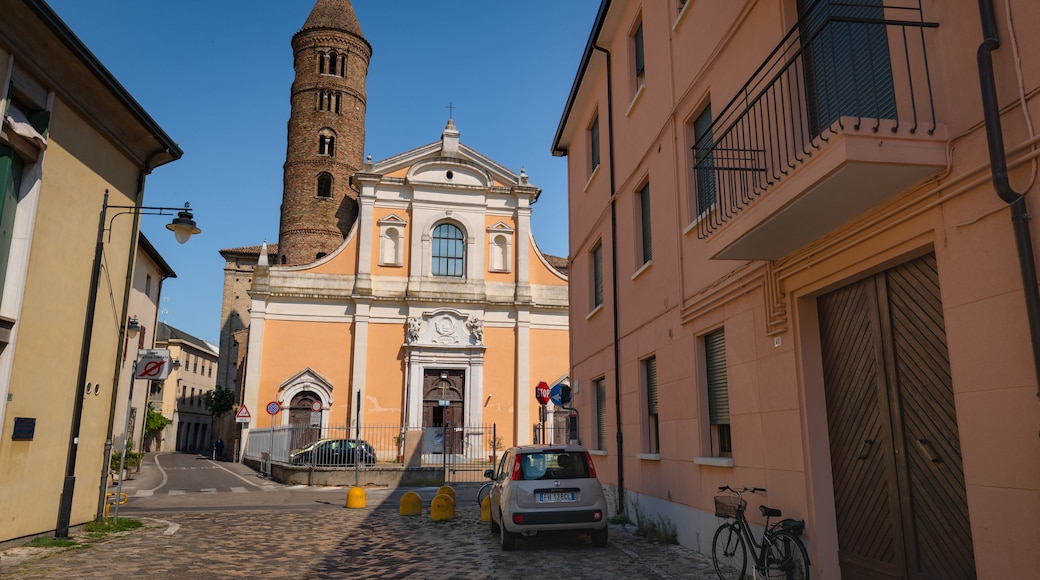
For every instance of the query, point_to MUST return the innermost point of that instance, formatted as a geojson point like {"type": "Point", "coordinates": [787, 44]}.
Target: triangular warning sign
{"type": "Point", "coordinates": [243, 413]}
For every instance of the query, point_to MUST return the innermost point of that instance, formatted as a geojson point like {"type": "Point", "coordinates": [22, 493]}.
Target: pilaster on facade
{"type": "Point", "coordinates": [362, 309]}
{"type": "Point", "coordinates": [523, 374]}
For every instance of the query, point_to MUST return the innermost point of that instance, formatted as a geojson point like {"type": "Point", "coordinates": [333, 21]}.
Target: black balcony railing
{"type": "Point", "coordinates": [858, 59]}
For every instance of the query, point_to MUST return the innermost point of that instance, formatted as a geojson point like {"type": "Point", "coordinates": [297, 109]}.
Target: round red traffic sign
{"type": "Point", "coordinates": [273, 407]}
{"type": "Point", "coordinates": [541, 392]}
{"type": "Point", "coordinates": [316, 406]}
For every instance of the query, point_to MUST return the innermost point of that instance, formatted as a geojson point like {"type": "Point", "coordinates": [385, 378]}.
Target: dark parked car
{"type": "Point", "coordinates": [334, 453]}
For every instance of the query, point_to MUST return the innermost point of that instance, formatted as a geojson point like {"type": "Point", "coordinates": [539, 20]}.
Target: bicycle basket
{"type": "Point", "coordinates": [728, 506]}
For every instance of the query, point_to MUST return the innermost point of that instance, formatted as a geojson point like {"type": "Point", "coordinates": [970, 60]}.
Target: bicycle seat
{"type": "Point", "coordinates": [770, 512]}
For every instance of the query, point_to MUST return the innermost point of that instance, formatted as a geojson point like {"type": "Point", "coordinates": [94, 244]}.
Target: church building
{"type": "Point", "coordinates": [411, 286]}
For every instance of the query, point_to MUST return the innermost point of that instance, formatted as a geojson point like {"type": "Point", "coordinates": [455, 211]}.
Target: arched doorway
{"type": "Point", "coordinates": [443, 404]}
{"type": "Point", "coordinates": [304, 430]}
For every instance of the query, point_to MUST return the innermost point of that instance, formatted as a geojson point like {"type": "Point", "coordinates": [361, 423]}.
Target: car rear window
{"type": "Point", "coordinates": [553, 465]}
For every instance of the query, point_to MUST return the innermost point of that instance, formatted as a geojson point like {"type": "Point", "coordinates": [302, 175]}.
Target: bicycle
{"type": "Point", "coordinates": [780, 554]}
{"type": "Point", "coordinates": [484, 492]}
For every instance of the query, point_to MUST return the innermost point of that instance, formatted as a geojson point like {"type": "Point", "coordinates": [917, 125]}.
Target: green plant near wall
{"type": "Point", "coordinates": [154, 422]}
{"type": "Point", "coordinates": [132, 460]}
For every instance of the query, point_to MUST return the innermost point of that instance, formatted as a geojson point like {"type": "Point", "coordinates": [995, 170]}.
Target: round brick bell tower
{"type": "Point", "coordinates": [326, 136]}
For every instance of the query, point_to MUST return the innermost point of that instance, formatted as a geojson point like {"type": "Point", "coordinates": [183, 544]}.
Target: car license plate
{"type": "Point", "coordinates": [556, 497]}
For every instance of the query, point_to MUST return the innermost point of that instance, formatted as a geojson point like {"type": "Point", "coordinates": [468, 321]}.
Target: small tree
{"type": "Point", "coordinates": [219, 401]}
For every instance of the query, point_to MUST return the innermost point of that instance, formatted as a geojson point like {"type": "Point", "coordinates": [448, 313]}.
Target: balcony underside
{"type": "Point", "coordinates": [855, 171]}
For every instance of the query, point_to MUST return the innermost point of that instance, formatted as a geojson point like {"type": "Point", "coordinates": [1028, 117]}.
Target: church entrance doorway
{"type": "Point", "coordinates": [443, 405]}
{"type": "Point", "coordinates": [304, 429]}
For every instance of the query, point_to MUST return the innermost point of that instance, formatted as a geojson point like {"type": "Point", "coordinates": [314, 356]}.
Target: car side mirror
{"type": "Point", "coordinates": [489, 474]}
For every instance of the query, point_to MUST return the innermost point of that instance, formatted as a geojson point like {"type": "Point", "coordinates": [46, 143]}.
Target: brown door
{"type": "Point", "coordinates": [899, 489]}
{"type": "Point", "coordinates": [443, 402]}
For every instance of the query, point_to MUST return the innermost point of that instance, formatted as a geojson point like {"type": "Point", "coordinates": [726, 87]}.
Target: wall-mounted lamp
{"type": "Point", "coordinates": [133, 328]}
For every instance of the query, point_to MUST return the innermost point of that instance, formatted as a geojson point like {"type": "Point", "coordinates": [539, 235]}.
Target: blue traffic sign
{"type": "Point", "coordinates": [560, 394]}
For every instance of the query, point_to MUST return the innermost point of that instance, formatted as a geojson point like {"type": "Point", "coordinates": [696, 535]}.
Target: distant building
{"type": "Point", "coordinates": [150, 270]}
{"type": "Point", "coordinates": [69, 133]}
{"type": "Point", "coordinates": [179, 397]}
{"type": "Point", "coordinates": [794, 266]}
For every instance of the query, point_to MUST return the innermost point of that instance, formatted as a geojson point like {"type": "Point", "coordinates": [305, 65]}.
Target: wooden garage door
{"type": "Point", "coordinates": [895, 452]}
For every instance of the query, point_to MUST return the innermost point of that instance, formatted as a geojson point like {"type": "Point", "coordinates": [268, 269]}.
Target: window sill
{"type": "Point", "coordinates": [642, 269]}
{"type": "Point", "coordinates": [594, 312]}
{"type": "Point", "coordinates": [635, 99]}
{"type": "Point", "coordinates": [600, 452]}
{"type": "Point", "coordinates": [648, 456]}
{"type": "Point", "coordinates": [714, 461]}
{"type": "Point", "coordinates": [592, 177]}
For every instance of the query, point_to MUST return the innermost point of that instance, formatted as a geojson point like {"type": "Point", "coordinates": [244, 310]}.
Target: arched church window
{"type": "Point", "coordinates": [448, 251]}
{"type": "Point", "coordinates": [325, 185]}
{"type": "Point", "coordinates": [322, 57]}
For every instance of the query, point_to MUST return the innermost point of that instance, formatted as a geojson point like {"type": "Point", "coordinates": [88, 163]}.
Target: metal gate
{"type": "Point", "coordinates": [468, 452]}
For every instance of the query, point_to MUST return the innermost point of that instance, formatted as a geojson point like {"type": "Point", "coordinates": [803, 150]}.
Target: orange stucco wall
{"type": "Point", "coordinates": [384, 385]}
{"type": "Point", "coordinates": [344, 261]}
{"type": "Point", "coordinates": [290, 347]}
{"type": "Point", "coordinates": [500, 381]}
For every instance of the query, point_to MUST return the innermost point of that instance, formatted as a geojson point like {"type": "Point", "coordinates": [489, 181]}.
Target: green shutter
{"type": "Point", "coordinates": [718, 387]}
{"type": "Point", "coordinates": [10, 181]}
{"type": "Point", "coordinates": [601, 414]}
{"type": "Point", "coordinates": [651, 385]}
{"type": "Point", "coordinates": [644, 205]}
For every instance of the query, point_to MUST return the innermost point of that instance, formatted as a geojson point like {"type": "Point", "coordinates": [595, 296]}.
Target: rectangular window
{"type": "Point", "coordinates": [597, 275]}
{"type": "Point", "coordinates": [653, 437]}
{"type": "Point", "coordinates": [594, 145]}
{"type": "Point", "coordinates": [718, 393]}
{"type": "Point", "coordinates": [148, 285]}
{"type": "Point", "coordinates": [601, 413]}
{"type": "Point", "coordinates": [703, 163]}
{"type": "Point", "coordinates": [644, 224]}
{"type": "Point", "coordinates": [637, 46]}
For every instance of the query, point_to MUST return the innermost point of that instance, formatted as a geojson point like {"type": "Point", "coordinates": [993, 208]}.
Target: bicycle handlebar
{"type": "Point", "coordinates": [742, 489]}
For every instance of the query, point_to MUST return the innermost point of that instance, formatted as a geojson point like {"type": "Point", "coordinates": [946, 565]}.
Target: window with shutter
{"type": "Point", "coordinates": [601, 414]}
{"type": "Point", "coordinates": [718, 392]}
{"type": "Point", "coordinates": [644, 212]}
{"type": "Point", "coordinates": [594, 145]}
{"type": "Point", "coordinates": [653, 434]}
{"type": "Point", "coordinates": [640, 64]}
{"type": "Point", "coordinates": [597, 275]}
{"type": "Point", "coordinates": [703, 163]}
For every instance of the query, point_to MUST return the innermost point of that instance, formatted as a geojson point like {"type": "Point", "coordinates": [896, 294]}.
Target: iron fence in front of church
{"type": "Point", "coordinates": [464, 451]}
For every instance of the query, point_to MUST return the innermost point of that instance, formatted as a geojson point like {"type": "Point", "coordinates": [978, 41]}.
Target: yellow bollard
{"type": "Point", "coordinates": [442, 508]}
{"type": "Point", "coordinates": [485, 509]}
{"type": "Point", "coordinates": [356, 497]}
{"type": "Point", "coordinates": [447, 490]}
{"type": "Point", "coordinates": [411, 504]}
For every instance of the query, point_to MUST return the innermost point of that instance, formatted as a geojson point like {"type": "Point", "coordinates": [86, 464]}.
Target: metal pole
{"type": "Point", "coordinates": [126, 438]}
{"type": "Point", "coordinates": [357, 439]}
{"type": "Point", "coordinates": [61, 530]}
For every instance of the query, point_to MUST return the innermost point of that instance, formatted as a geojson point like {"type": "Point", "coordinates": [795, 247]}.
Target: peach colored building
{"type": "Point", "coordinates": [797, 264]}
{"type": "Point", "coordinates": [438, 308]}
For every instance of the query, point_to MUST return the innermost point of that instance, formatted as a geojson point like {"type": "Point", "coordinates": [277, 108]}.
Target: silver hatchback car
{"type": "Point", "coordinates": [546, 487]}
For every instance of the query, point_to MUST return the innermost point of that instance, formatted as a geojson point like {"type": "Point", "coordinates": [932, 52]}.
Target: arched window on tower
{"type": "Point", "coordinates": [343, 65]}
{"type": "Point", "coordinates": [335, 99]}
{"type": "Point", "coordinates": [448, 251]}
{"type": "Point", "coordinates": [327, 143]}
{"type": "Point", "coordinates": [322, 62]}
{"type": "Point", "coordinates": [325, 185]}
{"type": "Point", "coordinates": [333, 68]}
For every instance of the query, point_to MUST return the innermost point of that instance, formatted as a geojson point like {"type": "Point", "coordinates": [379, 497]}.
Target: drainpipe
{"type": "Point", "coordinates": [998, 164]}
{"type": "Point", "coordinates": [614, 289]}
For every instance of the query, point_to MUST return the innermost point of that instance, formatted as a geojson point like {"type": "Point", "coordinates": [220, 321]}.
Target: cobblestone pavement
{"type": "Point", "coordinates": [336, 542]}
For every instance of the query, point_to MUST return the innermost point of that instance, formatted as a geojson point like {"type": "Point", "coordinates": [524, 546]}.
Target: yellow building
{"type": "Point", "coordinates": [70, 134]}
{"type": "Point", "coordinates": [438, 308]}
{"type": "Point", "coordinates": [180, 397]}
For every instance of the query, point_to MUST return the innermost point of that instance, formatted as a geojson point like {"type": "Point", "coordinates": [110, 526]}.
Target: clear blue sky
{"type": "Point", "coordinates": [216, 74]}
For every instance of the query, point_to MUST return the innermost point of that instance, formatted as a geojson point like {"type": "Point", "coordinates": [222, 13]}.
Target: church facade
{"type": "Point", "coordinates": [406, 292]}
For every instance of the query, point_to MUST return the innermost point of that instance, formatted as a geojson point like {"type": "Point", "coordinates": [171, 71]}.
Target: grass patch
{"type": "Point", "coordinates": [619, 519]}
{"type": "Point", "coordinates": [50, 542]}
{"type": "Point", "coordinates": [109, 526]}
{"type": "Point", "coordinates": [655, 528]}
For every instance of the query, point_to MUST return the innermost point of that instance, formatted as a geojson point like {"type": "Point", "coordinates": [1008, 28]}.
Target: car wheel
{"type": "Point", "coordinates": [599, 537]}
{"type": "Point", "coordinates": [508, 538]}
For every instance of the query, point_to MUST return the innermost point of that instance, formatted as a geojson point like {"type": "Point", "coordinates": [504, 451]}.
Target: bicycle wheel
{"type": "Point", "coordinates": [729, 553]}
{"type": "Point", "coordinates": [786, 558]}
{"type": "Point", "coordinates": [483, 492]}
